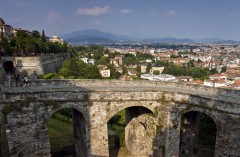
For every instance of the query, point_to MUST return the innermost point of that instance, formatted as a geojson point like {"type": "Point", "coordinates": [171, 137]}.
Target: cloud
{"type": "Point", "coordinates": [95, 11]}
{"type": "Point", "coordinates": [125, 11]}
{"type": "Point", "coordinates": [52, 16]}
{"type": "Point", "coordinates": [170, 12]}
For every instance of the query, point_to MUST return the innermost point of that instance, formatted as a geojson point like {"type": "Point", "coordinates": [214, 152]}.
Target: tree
{"type": "Point", "coordinates": [67, 112]}
{"type": "Point", "coordinates": [113, 73]}
{"type": "Point", "coordinates": [103, 60]}
{"type": "Point", "coordinates": [191, 63]}
{"type": "Point", "coordinates": [43, 36]}
{"type": "Point", "coordinates": [35, 34]}
{"type": "Point", "coordinates": [149, 67]}
{"type": "Point", "coordinates": [214, 71]}
{"type": "Point", "coordinates": [72, 68]}
{"type": "Point", "coordinates": [92, 72]}
{"type": "Point", "coordinates": [224, 69]}
{"type": "Point", "coordinates": [156, 72]}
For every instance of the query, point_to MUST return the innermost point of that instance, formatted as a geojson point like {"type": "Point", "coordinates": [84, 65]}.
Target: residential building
{"type": "Point", "coordinates": [157, 68]}
{"type": "Point", "coordinates": [132, 72]}
{"type": "Point", "coordinates": [185, 78]}
{"type": "Point", "coordinates": [105, 72]}
{"type": "Point", "coordinates": [215, 83]}
{"type": "Point", "coordinates": [85, 60]}
{"type": "Point", "coordinates": [165, 77]}
{"type": "Point", "coordinates": [56, 39]}
{"type": "Point", "coordinates": [126, 78]}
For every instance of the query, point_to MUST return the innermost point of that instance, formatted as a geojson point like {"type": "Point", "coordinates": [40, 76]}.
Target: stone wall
{"type": "Point", "coordinates": [119, 83]}
{"type": "Point", "coordinates": [35, 65]}
{"type": "Point", "coordinates": [157, 113]}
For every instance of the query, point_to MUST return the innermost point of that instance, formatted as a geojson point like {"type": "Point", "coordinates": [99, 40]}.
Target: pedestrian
{"type": "Point", "coordinates": [25, 81]}
{"type": "Point", "coordinates": [8, 79]}
{"type": "Point", "coordinates": [17, 79]}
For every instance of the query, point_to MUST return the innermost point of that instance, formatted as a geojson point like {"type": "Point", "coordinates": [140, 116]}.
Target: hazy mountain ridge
{"type": "Point", "coordinates": [96, 36]}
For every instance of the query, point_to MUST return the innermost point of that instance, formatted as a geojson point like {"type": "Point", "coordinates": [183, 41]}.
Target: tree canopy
{"type": "Point", "coordinates": [28, 44]}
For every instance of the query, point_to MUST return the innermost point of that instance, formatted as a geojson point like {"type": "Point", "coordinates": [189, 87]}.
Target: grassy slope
{"type": "Point", "coordinates": [58, 126]}
{"type": "Point", "coordinates": [59, 130]}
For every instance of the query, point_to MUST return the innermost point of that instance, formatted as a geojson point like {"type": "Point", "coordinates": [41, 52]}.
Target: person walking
{"type": "Point", "coordinates": [17, 79]}
{"type": "Point", "coordinates": [8, 79]}
{"type": "Point", "coordinates": [25, 81]}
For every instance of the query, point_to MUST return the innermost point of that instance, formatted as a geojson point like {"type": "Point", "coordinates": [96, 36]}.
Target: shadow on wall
{"type": "Point", "coordinates": [131, 135]}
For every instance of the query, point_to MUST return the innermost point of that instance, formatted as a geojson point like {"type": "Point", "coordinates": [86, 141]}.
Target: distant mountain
{"type": "Point", "coordinates": [167, 40]}
{"type": "Point", "coordinates": [208, 40]}
{"type": "Point", "coordinates": [89, 40]}
{"type": "Point", "coordinates": [215, 41]}
{"type": "Point", "coordinates": [227, 42]}
{"type": "Point", "coordinates": [93, 33]}
{"type": "Point", "coordinates": [94, 36]}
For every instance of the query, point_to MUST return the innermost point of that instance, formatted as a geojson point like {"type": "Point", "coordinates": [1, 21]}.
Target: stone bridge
{"type": "Point", "coordinates": [153, 116]}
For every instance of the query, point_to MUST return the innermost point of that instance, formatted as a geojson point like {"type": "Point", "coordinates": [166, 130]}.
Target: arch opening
{"type": "Point", "coordinates": [67, 133]}
{"type": "Point", "coordinates": [9, 67]}
{"type": "Point", "coordinates": [131, 131]}
{"type": "Point", "coordinates": [197, 135]}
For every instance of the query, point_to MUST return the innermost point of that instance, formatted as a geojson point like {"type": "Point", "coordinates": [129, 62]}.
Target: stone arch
{"type": "Point", "coordinates": [204, 111]}
{"type": "Point", "coordinates": [9, 67]}
{"type": "Point", "coordinates": [139, 130]}
{"type": "Point", "coordinates": [190, 130]}
{"type": "Point", "coordinates": [79, 109]}
{"type": "Point", "coordinates": [79, 122]}
{"type": "Point", "coordinates": [114, 111]}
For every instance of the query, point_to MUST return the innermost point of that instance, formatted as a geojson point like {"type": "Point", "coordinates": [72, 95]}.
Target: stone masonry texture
{"type": "Point", "coordinates": [154, 111]}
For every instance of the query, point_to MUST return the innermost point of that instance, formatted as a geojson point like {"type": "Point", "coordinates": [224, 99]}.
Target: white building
{"type": "Point", "coordinates": [105, 72]}
{"type": "Point", "coordinates": [56, 39]}
{"type": "Point", "coordinates": [165, 77]}
{"type": "Point", "coordinates": [215, 83]}
{"type": "Point", "coordinates": [88, 61]}
{"type": "Point", "coordinates": [85, 60]}
{"type": "Point", "coordinates": [161, 77]}
{"type": "Point", "coordinates": [91, 61]}
{"type": "Point", "coordinates": [147, 76]}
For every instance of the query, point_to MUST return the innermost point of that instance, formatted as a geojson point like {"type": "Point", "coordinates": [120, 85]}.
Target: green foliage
{"type": "Point", "coordinates": [103, 60]}
{"type": "Point", "coordinates": [207, 130]}
{"type": "Point", "coordinates": [118, 119]}
{"type": "Point", "coordinates": [224, 69]}
{"type": "Point", "coordinates": [24, 44]}
{"type": "Point", "coordinates": [113, 73]}
{"type": "Point", "coordinates": [214, 71]}
{"type": "Point", "coordinates": [195, 72]}
{"type": "Point", "coordinates": [156, 72]}
{"type": "Point", "coordinates": [50, 76]}
{"type": "Point", "coordinates": [67, 113]}
{"type": "Point", "coordinates": [149, 67]}
{"type": "Point", "coordinates": [43, 36]}
{"type": "Point", "coordinates": [75, 68]}
{"type": "Point", "coordinates": [35, 34]}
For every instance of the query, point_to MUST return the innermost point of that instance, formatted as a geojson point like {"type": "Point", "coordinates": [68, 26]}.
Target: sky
{"type": "Point", "coordinates": [146, 18]}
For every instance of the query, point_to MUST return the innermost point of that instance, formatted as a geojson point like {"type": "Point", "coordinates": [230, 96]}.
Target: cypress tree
{"type": "Point", "coordinates": [43, 36]}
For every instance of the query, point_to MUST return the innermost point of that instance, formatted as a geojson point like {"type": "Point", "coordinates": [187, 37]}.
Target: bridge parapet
{"type": "Point", "coordinates": [134, 83]}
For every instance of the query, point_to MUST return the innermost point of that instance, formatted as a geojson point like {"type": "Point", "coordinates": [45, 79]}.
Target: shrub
{"type": "Point", "coordinates": [50, 76]}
